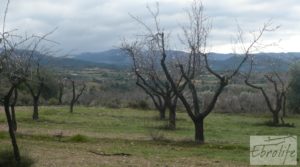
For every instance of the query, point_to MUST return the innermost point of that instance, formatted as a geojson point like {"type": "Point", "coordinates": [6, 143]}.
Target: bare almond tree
{"type": "Point", "coordinates": [35, 87]}
{"type": "Point", "coordinates": [276, 100]}
{"type": "Point", "coordinates": [14, 68]}
{"type": "Point", "coordinates": [195, 64]}
{"type": "Point", "coordinates": [146, 54]}
{"type": "Point", "coordinates": [15, 64]}
{"type": "Point", "coordinates": [151, 79]}
{"type": "Point", "coordinates": [36, 81]}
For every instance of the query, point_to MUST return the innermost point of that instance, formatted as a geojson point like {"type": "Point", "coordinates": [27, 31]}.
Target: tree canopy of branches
{"type": "Point", "coordinates": [151, 79]}
{"type": "Point", "coordinates": [38, 81]}
{"type": "Point", "coordinates": [195, 64]}
{"type": "Point", "coordinates": [35, 86]}
{"type": "Point", "coordinates": [280, 89]}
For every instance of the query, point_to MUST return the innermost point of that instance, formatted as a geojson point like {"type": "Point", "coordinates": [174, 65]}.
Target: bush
{"type": "Point", "coordinates": [52, 101]}
{"type": "Point", "coordinates": [7, 159]}
{"type": "Point", "coordinates": [141, 104]}
{"type": "Point", "coordinates": [79, 138]}
{"type": "Point", "coordinates": [157, 135]}
{"type": "Point", "coordinates": [116, 103]}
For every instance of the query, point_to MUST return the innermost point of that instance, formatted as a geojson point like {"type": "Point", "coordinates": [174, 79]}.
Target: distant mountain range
{"type": "Point", "coordinates": [116, 58]}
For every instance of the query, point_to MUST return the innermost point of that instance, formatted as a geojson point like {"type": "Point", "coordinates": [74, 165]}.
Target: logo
{"type": "Point", "coordinates": [273, 150]}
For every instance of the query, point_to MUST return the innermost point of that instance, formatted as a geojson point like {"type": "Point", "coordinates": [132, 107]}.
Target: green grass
{"type": "Point", "coordinates": [78, 138]}
{"type": "Point", "coordinates": [62, 138]}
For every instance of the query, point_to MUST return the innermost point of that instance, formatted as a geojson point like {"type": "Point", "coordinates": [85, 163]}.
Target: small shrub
{"type": "Point", "coordinates": [141, 104]}
{"type": "Point", "coordinates": [24, 99]}
{"type": "Point", "coordinates": [157, 135]}
{"type": "Point", "coordinates": [79, 138]}
{"type": "Point", "coordinates": [116, 103]}
{"type": "Point", "coordinates": [7, 159]}
{"type": "Point", "coordinates": [52, 101]}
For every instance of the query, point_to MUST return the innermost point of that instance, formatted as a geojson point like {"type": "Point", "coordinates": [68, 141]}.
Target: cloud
{"type": "Point", "coordinates": [97, 25]}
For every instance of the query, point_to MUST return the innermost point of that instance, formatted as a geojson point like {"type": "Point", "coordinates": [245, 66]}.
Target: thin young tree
{"type": "Point", "coordinates": [61, 86]}
{"type": "Point", "coordinates": [76, 93]}
{"type": "Point", "coordinates": [36, 82]}
{"type": "Point", "coordinates": [35, 85]}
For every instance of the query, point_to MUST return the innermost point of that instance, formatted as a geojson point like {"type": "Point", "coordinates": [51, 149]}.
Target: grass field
{"type": "Point", "coordinates": [92, 137]}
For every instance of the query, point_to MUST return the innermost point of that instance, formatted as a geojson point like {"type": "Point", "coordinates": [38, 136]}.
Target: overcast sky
{"type": "Point", "coordinates": [98, 25]}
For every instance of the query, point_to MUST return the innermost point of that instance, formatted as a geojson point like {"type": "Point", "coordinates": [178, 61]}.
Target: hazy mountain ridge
{"type": "Point", "coordinates": [219, 61]}
{"type": "Point", "coordinates": [118, 59]}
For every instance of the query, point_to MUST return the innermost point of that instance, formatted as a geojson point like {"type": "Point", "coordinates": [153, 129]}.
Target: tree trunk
{"type": "Point", "coordinates": [13, 117]}
{"type": "Point", "coordinates": [11, 130]}
{"type": "Point", "coordinates": [13, 112]}
{"type": "Point", "coordinates": [284, 106]}
{"type": "Point", "coordinates": [275, 117]}
{"type": "Point", "coordinates": [162, 113]}
{"type": "Point", "coordinates": [35, 115]}
{"type": "Point", "coordinates": [71, 107]}
{"type": "Point", "coordinates": [172, 118]}
{"type": "Point", "coordinates": [199, 130]}
{"type": "Point", "coordinates": [60, 96]}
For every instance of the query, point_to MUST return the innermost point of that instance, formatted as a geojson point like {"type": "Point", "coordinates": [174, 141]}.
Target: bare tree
{"type": "Point", "coordinates": [13, 72]}
{"type": "Point", "coordinates": [146, 56]}
{"type": "Point", "coordinates": [195, 64]}
{"type": "Point", "coordinates": [75, 96]}
{"type": "Point", "coordinates": [15, 63]}
{"type": "Point", "coordinates": [61, 86]}
{"type": "Point", "coordinates": [35, 87]}
{"type": "Point", "coordinates": [36, 82]}
{"type": "Point", "coordinates": [151, 79]}
{"type": "Point", "coordinates": [276, 100]}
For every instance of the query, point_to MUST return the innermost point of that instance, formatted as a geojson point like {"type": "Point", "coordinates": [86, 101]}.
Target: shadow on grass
{"type": "Point", "coordinates": [271, 124]}
{"type": "Point", "coordinates": [7, 160]}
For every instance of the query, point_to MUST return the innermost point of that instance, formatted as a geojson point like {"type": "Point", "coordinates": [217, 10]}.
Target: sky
{"type": "Point", "coordinates": [99, 25]}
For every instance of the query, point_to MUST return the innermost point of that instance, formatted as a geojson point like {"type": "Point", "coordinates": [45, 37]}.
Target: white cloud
{"type": "Point", "coordinates": [96, 25]}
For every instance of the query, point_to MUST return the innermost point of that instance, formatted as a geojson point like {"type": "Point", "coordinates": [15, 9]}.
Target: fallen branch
{"type": "Point", "coordinates": [106, 154]}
